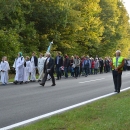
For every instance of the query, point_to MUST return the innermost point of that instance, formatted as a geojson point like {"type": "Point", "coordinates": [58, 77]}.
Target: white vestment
{"type": "Point", "coordinates": [33, 69]}
{"type": "Point", "coordinates": [27, 71]}
{"type": "Point", "coordinates": [8, 68]}
{"type": "Point", "coordinates": [19, 68]}
{"type": "Point", "coordinates": [0, 72]}
{"type": "Point", "coordinates": [41, 62]}
{"type": "Point", "coordinates": [4, 72]}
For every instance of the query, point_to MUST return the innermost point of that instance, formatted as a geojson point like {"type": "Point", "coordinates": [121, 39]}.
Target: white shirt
{"type": "Point", "coordinates": [48, 60]}
{"type": "Point", "coordinates": [128, 63]}
{"type": "Point", "coordinates": [41, 61]}
{"type": "Point", "coordinates": [4, 66]}
{"type": "Point", "coordinates": [19, 62]}
{"type": "Point", "coordinates": [32, 61]}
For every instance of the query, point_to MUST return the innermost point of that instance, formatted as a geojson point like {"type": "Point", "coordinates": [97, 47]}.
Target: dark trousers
{"type": "Point", "coordinates": [86, 69]}
{"type": "Point", "coordinates": [58, 72]}
{"type": "Point", "coordinates": [101, 69]}
{"type": "Point", "coordinates": [95, 71]}
{"type": "Point", "coordinates": [66, 71]}
{"type": "Point", "coordinates": [76, 70]}
{"type": "Point", "coordinates": [125, 67]}
{"type": "Point", "coordinates": [106, 68]}
{"type": "Point", "coordinates": [117, 80]}
{"type": "Point", "coordinates": [45, 77]}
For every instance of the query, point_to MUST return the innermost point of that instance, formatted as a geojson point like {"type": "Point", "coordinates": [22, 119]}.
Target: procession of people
{"type": "Point", "coordinates": [63, 66]}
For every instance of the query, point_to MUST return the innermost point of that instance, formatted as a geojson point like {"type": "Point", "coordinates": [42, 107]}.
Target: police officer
{"type": "Point", "coordinates": [117, 68]}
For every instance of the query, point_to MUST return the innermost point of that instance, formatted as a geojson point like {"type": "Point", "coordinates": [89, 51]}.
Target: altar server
{"type": "Point", "coordinates": [19, 68]}
{"type": "Point", "coordinates": [4, 71]}
{"type": "Point", "coordinates": [8, 67]}
{"type": "Point", "coordinates": [41, 61]}
{"type": "Point", "coordinates": [27, 69]}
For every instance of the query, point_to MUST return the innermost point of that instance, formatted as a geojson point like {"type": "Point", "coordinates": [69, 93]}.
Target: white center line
{"type": "Point", "coordinates": [127, 74]}
{"type": "Point", "coordinates": [91, 80]}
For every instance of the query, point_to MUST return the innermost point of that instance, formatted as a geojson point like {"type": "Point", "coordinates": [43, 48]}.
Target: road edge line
{"type": "Point", "coordinates": [58, 111]}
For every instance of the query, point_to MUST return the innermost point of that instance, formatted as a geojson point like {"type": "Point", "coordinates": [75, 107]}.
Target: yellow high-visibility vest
{"type": "Point", "coordinates": [120, 59]}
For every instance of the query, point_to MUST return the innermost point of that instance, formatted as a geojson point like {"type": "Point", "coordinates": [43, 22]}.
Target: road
{"type": "Point", "coordinates": [22, 102]}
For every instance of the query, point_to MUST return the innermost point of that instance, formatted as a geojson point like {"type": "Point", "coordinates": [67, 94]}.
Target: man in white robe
{"type": "Point", "coordinates": [0, 72]}
{"type": "Point", "coordinates": [27, 69]}
{"type": "Point", "coordinates": [41, 61]}
{"type": "Point", "coordinates": [19, 68]}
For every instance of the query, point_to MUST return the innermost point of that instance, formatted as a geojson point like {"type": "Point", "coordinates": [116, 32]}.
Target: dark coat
{"type": "Point", "coordinates": [35, 61]}
{"type": "Point", "coordinates": [106, 62]}
{"type": "Point", "coordinates": [60, 61]}
{"type": "Point", "coordinates": [101, 63]}
{"type": "Point", "coordinates": [66, 62]}
{"type": "Point", "coordinates": [49, 66]}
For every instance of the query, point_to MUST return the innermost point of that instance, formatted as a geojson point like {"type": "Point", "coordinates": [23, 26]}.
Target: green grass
{"type": "Point", "coordinates": [12, 76]}
{"type": "Point", "coordinates": [112, 113]}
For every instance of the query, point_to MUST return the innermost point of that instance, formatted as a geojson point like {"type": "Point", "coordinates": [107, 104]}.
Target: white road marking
{"type": "Point", "coordinates": [57, 111]}
{"type": "Point", "coordinates": [127, 74]}
{"type": "Point", "coordinates": [91, 80]}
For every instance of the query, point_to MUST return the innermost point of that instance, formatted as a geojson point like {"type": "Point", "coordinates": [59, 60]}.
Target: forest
{"type": "Point", "coordinates": [82, 27]}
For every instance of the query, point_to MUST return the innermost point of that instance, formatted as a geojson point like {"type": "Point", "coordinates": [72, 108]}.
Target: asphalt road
{"type": "Point", "coordinates": [22, 102]}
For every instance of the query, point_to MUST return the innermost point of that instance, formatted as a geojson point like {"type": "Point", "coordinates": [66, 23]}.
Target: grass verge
{"type": "Point", "coordinates": [12, 76]}
{"type": "Point", "coordinates": [112, 113]}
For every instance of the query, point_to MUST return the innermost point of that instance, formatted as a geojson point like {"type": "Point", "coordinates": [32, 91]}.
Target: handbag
{"type": "Point", "coordinates": [73, 66]}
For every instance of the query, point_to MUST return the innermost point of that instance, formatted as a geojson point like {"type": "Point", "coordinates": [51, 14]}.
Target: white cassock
{"type": "Point", "coordinates": [4, 75]}
{"type": "Point", "coordinates": [41, 62]}
{"type": "Point", "coordinates": [27, 71]}
{"type": "Point", "coordinates": [0, 72]}
{"type": "Point", "coordinates": [19, 68]}
{"type": "Point", "coordinates": [8, 68]}
{"type": "Point", "coordinates": [33, 70]}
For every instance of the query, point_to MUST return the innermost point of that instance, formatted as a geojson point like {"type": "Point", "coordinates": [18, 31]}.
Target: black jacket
{"type": "Point", "coordinates": [50, 65]}
{"type": "Point", "coordinates": [101, 63]}
{"type": "Point", "coordinates": [66, 62]}
{"type": "Point", "coordinates": [60, 61]}
{"type": "Point", "coordinates": [35, 61]}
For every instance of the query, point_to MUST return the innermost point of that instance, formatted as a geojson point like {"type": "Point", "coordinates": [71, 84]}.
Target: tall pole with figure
{"type": "Point", "coordinates": [49, 48]}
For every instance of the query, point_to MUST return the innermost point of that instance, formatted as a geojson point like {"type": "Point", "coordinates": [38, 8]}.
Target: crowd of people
{"type": "Point", "coordinates": [75, 66]}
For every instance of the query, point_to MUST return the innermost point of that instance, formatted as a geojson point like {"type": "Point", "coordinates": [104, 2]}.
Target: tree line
{"type": "Point", "coordinates": [83, 27]}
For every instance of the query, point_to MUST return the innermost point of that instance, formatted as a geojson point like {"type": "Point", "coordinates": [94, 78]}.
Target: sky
{"type": "Point", "coordinates": [127, 5]}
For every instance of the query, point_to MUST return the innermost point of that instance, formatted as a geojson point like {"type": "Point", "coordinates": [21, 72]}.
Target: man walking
{"type": "Point", "coordinates": [59, 64]}
{"type": "Point", "coordinates": [117, 68]}
{"type": "Point", "coordinates": [48, 69]}
{"type": "Point", "coordinates": [34, 63]}
{"type": "Point", "coordinates": [86, 63]}
{"type": "Point", "coordinates": [19, 68]}
{"type": "Point", "coordinates": [101, 65]}
{"type": "Point", "coordinates": [106, 65]}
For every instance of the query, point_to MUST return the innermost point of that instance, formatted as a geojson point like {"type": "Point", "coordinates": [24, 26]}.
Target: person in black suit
{"type": "Point", "coordinates": [48, 69]}
{"type": "Point", "coordinates": [59, 64]}
{"type": "Point", "coordinates": [34, 63]}
{"type": "Point", "coordinates": [101, 65]}
{"type": "Point", "coordinates": [106, 65]}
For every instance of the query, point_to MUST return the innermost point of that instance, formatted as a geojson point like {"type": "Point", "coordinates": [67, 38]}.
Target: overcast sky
{"type": "Point", "coordinates": [127, 5]}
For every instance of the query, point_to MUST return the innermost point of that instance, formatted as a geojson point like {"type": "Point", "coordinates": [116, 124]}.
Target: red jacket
{"type": "Point", "coordinates": [92, 64]}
